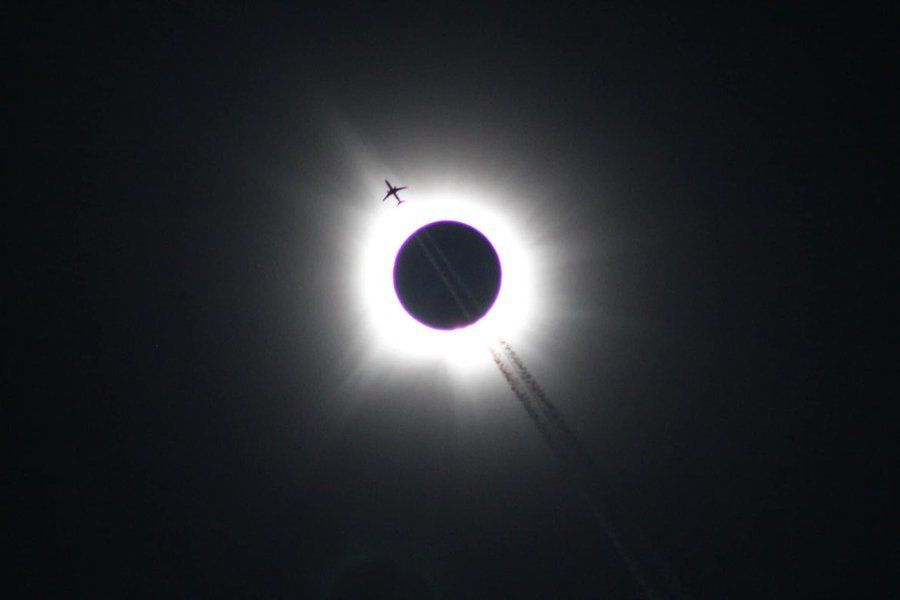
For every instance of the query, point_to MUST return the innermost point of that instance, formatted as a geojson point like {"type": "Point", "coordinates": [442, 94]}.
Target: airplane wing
{"type": "Point", "coordinates": [386, 196]}
{"type": "Point", "coordinates": [401, 188]}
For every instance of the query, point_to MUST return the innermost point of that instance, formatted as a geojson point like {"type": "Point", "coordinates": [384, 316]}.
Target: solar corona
{"type": "Point", "coordinates": [444, 275]}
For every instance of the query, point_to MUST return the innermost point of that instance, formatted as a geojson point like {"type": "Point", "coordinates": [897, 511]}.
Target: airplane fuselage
{"type": "Point", "coordinates": [392, 191]}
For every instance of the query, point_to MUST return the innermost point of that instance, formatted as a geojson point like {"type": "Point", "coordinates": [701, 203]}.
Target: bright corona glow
{"type": "Point", "coordinates": [395, 331]}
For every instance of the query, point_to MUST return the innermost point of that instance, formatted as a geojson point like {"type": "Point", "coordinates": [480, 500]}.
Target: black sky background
{"type": "Point", "coordinates": [171, 376]}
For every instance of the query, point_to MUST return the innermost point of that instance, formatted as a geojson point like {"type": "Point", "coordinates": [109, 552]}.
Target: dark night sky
{"type": "Point", "coordinates": [177, 410]}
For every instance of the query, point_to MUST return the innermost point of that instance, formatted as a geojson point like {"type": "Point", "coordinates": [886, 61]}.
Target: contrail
{"type": "Point", "coordinates": [527, 404]}
{"type": "Point", "coordinates": [444, 276]}
{"type": "Point", "coordinates": [461, 285]}
{"type": "Point", "coordinates": [549, 409]}
{"type": "Point", "coordinates": [546, 416]}
{"type": "Point", "coordinates": [568, 448]}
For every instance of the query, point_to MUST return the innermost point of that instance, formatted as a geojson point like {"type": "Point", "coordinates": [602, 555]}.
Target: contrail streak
{"type": "Point", "coordinates": [568, 448]}
{"type": "Point", "coordinates": [460, 284]}
{"type": "Point", "coordinates": [527, 404]}
{"type": "Point", "coordinates": [549, 409]}
{"type": "Point", "coordinates": [546, 416]}
{"type": "Point", "coordinates": [444, 276]}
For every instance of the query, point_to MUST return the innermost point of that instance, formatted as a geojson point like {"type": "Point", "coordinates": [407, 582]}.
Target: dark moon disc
{"type": "Point", "coordinates": [447, 275]}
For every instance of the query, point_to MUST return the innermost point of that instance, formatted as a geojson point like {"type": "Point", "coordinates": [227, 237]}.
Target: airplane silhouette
{"type": "Point", "coordinates": [392, 191]}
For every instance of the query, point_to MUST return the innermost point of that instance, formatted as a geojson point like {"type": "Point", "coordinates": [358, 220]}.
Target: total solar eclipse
{"type": "Point", "coordinates": [447, 275]}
